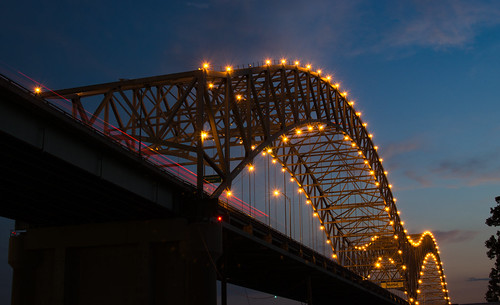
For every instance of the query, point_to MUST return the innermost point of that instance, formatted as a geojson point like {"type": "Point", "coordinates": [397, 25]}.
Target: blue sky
{"type": "Point", "coordinates": [423, 73]}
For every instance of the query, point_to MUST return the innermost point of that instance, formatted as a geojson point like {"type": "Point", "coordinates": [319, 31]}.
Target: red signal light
{"type": "Point", "coordinates": [219, 218]}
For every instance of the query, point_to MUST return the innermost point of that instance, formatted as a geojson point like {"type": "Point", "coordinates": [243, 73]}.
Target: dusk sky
{"type": "Point", "coordinates": [425, 75]}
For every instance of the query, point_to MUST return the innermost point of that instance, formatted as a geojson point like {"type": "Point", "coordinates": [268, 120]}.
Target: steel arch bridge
{"type": "Point", "coordinates": [218, 122]}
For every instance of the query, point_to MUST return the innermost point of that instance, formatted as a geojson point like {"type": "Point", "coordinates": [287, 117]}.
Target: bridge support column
{"type": "Point", "coordinates": [139, 262]}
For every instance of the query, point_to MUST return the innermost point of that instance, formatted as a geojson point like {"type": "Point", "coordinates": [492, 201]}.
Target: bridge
{"type": "Point", "coordinates": [263, 176]}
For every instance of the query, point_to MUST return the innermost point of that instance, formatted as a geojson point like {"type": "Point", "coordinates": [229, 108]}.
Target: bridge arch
{"type": "Point", "coordinates": [218, 122]}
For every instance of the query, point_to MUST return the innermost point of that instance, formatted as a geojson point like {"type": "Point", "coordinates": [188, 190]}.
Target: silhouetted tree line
{"type": "Point", "coordinates": [493, 245]}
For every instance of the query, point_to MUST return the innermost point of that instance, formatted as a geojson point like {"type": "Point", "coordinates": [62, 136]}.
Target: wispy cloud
{"type": "Point", "coordinates": [438, 25]}
{"type": "Point", "coordinates": [473, 170]}
{"type": "Point", "coordinates": [454, 236]}
{"type": "Point", "coordinates": [475, 279]}
{"type": "Point", "coordinates": [421, 179]}
{"type": "Point", "coordinates": [198, 5]}
{"type": "Point", "coordinates": [394, 149]}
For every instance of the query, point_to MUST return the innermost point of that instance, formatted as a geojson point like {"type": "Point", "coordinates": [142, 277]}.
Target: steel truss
{"type": "Point", "coordinates": [217, 122]}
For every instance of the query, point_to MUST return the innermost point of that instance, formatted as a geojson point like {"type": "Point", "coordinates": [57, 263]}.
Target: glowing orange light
{"type": "Point", "coordinates": [205, 65]}
{"type": "Point", "coordinates": [310, 128]}
{"type": "Point", "coordinates": [229, 68]}
{"type": "Point", "coordinates": [308, 67]}
{"type": "Point", "coordinates": [299, 131]}
{"type": "Point", "coordinates": [268, 61]}
{"type": "Point", "coordinates": [210, 85]}
{"type": "Point", "coordinates": [296, 62]}
{"type": "Point", "coordinates": [229, 193]}
{"type": "Point", "coordinates": [238, 97]}
{"type": "Point", "coordinates": [38, 90]}
{"type": "Point", "coordinates": [283, 61]}
{"type": "Point", "coordinates": [319, 71]}
{"type": "Point", "coordinates": [204, 135]}
{"type": "Point", "coordinates": [276, 192]}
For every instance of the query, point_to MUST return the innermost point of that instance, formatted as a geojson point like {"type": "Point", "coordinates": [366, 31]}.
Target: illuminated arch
{"type": "Point", "coordinates": [220, 121]}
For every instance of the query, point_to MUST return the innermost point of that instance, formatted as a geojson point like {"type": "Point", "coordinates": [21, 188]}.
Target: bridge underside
{"type": "Point", "coordinates": [40, 189]}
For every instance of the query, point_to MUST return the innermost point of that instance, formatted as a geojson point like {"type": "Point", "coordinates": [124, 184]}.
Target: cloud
{"type": "Point", "coordinates": [435, 24]}
{"type": "Point", "coordinates": [475, 279]}
{"type": "Point", "coordinates": [408, 145]}
{"type": "Point", "coordinates": [198, 5]}
{"type": "Point", "coordinates": [454, 236]}
{"type": "Point", "coordinates": [473, 170]}
{"type": "Point", "coordinates": [423, 180]}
